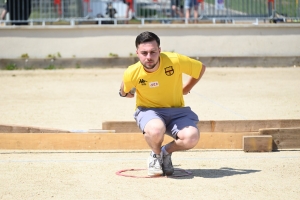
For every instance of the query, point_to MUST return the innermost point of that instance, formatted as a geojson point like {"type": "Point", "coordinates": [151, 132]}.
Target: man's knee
{"type": "Point", "coordinates": [155, 129]}
{"type": "Point", "coordinates": [193, 139]}
{"type": "Point", "coordinates": [190, 137]}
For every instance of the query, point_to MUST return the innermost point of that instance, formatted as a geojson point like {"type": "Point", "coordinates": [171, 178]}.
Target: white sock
{"type": "Point", "coordinates": [152, 153]}
{"type": "Point", "coordinates": [163, 149]}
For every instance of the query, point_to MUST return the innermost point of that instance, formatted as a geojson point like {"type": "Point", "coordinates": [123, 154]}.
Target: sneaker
{"type": "Point", "coordinates": [168, 168]}
{"type": "Point", "coordinates": [154, 165]}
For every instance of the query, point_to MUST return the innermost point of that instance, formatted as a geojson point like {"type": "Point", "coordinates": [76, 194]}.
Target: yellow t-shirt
{"type": "Point", "coordinates": [162, 88]}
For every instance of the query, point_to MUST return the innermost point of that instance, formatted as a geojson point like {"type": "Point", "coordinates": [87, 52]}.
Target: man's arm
{"type": "Point", "coordinates": [124, 94]}
{"type": "Point", "coordinates": [192, 81]}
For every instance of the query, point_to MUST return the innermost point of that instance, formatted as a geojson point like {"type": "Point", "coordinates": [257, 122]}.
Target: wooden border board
{"type": "Point", "coordinates": [109, 141]}
{"type": "Point", "coordinates": [283, 138]}
{"type": "Point", "coordinates": [257, 143]}
{"type": "Point", "coordinates": [212, 126]}
{"type": "Point", "coordinates": [28, 129]}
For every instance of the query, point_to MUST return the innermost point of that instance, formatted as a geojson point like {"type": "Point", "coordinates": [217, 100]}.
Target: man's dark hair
{"type": "Point", "coordinates": [146, 37]}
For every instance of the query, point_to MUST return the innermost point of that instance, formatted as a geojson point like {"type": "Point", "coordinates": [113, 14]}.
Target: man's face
{"type": "Point", "coordinates": [148, 53]}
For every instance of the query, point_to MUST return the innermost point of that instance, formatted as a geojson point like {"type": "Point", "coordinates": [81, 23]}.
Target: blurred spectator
{"type": "Point", "coordinates": [3, 14]}
{"type": "Point", "coordinates": [57, 6]}
{"type": "Point", "coordinates": [110, 10]}
{"type": "Point", "coordinates": [202, 6]}
{"type": "Point", "coordinates": [88, 4]}
{"type": "Point", "coordinates": [19, 10]}
{"type": "Point", "coordinates": [177, 8]}
{"type": "Point", "coordinates": [110, 13]}
{"type": "Point", "coordinates": [188, 5]}
{"type": "Point", "coordinates": [270, 7]}
{"type": "Point", "coordinates": [130, 7]}
{"type": "Point", "coordinates": [62, 7]}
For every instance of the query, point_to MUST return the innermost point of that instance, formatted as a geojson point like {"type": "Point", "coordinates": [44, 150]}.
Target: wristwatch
{"type": "Point", "coordinates": [121, 94]}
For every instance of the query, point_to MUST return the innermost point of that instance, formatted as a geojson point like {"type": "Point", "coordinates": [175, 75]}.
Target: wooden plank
{"type": "Point", "coordinates": [283, 138]}
{"type": "Point", "coordinates": [257, 143]}
{"type": "Point", "coordinates": [212, 126]}
{"type": "Point", "coordinates": [92, 131]}
{"type": "Point", "coordinates": [222, 140]}
{"type": "Point", "coordinates": [28, 129]}
{"type": "Point", "coordinates": [121, 126]}
{"type": "Point", "coordinates": [71, 141]}
{"type": "Point", "coordinates": [245, 125]}
{"type": "Point", "coordinates": [109, 141]}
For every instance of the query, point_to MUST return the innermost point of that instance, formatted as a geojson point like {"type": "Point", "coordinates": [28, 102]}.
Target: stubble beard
{"type": "Point", "coordinates": [152, 66]}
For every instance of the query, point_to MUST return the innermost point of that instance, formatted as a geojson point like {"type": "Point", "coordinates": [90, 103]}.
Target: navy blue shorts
{"type": "Point", "coordinates": [175, 119]}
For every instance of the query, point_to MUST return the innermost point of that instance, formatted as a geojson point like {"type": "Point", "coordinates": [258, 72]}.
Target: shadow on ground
{"type": "Point", "coordinates": [214, 173]}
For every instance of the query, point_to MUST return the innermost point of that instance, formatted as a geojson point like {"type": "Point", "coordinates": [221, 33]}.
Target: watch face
{"type": "Point", "coordinates": [132, 91]}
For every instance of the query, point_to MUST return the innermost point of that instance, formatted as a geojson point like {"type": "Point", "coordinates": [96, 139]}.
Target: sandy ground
{"type": "Point", "coordinates": [215, 175]}
{"type": "Point", "coordinates": [84, 98]}
{"type": "Point", "coordinates": [78, 99]}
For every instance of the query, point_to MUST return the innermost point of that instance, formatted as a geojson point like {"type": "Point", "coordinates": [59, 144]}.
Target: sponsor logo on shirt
{"type": "Point", "coordinates": [142, 82]}
{"type": "Point", "coordinates": [153, 84]}
{"type": "Point", "coordinates": [169, 71]}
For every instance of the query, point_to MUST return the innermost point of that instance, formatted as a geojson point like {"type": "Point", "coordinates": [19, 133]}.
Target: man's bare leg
{"type": "Point", "coordinates": [187, 139]}
{"type": "Point", "coordinates": [154, 134]}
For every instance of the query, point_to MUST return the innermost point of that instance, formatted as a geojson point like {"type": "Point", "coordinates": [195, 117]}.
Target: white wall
{"type": "Point", "coordinates": [93, 41]}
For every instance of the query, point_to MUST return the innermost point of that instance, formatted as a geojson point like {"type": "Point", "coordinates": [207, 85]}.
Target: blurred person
{"type": "Point", "coordinates": [270, 7]}
{"type": "Point", "coordinates": [158, 84]}
{"type": "Point", "coordinates": [62, 7]}
{"type": "Point", "coordinates": [110, 13]}
{"type": "Point", "coordinates": [57, 6]}
{"type": "Point", "coordinates": [130, 8]}
{"type": "Point", "coordinates": [188, 5]}
{"type": "Point", "coordinates": [201, 2]}
{"type": "Point", "coordinates": [177, 8]}
{"type": "Point", "coordinates": [4, 11]}
{"type": "Point", "coordinates": [19, 11]}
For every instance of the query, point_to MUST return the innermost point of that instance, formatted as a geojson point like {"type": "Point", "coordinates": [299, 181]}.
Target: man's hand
{"type": "Point", "coordinates": [192, 81]}
{"type": "Point", "coordinates": [129, 95]}
{"type": "Point", "coordinates": [185, 92]}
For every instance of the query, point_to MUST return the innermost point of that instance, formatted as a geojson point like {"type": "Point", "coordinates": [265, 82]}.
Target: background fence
{"type": "Point", "coordinates": [16, 12]}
